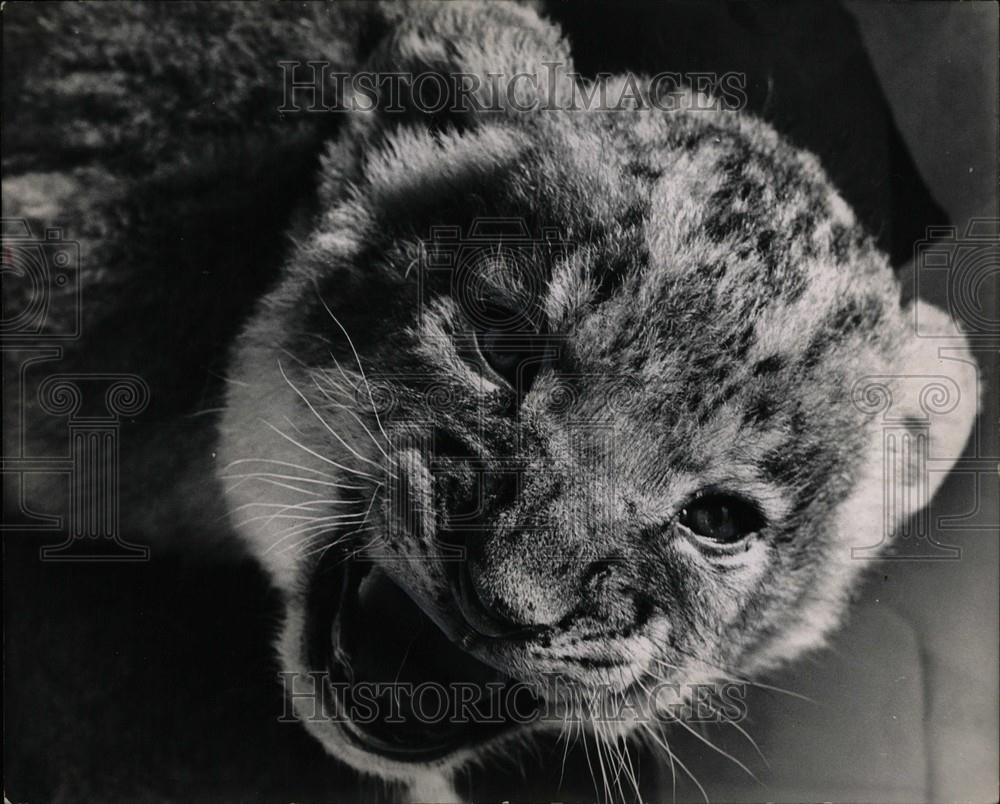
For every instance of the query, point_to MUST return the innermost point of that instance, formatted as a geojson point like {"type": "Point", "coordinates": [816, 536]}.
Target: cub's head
{"type": "Point", "coordinates": [567, 402]}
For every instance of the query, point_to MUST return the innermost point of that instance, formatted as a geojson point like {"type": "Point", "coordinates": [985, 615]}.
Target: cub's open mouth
{"type": "Point", "coordinates": [397, 684]}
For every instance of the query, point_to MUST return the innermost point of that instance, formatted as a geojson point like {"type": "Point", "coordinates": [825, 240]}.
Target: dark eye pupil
{"type": "Point", "coordinates": [498, 350]}
{"type": "Point", "coordinates": [516, 364]}
{"type": "Point", "coordinates": [721, 518]}
{"type": "Point", "coordinates": [512, 350]}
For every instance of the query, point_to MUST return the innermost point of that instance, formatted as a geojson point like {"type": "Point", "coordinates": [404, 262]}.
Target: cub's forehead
{"type": "Point", "coordinates": [695, 229]}
{"type": "Point", "coordinates": [741, 244]}
{"type": "Point", "coordinates": [748, 299]}
{"type": "Point", "coordinates": [740, 208]}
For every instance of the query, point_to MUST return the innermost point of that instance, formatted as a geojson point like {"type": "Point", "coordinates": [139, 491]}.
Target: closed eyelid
{"type": "Point", "coordinates": [501, 314]}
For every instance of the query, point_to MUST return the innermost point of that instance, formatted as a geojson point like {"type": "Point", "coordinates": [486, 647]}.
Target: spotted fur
{"type": "Point", "coordinates": [711, 304]}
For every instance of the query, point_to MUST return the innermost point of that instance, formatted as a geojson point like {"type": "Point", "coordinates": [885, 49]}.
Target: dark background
{"type": "Point", "coordinates": [155, 681]}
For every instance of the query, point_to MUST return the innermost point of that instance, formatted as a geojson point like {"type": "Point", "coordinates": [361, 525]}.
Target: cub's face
{"type": "Point", "coordinates": [580, 404]}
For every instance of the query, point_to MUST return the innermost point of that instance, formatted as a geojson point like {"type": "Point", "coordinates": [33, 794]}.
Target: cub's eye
{"type": "Point", "coordinates": [511, 346]}
{"type": "Point", "coordinates": [721, 518]}
{"type": "Point", "coordinates": [501, 350]}
{"type": "Point", "coordinates": [514, 356]}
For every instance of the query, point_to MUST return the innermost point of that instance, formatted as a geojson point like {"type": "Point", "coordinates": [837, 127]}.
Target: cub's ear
{"type": "Point", "coordinates": [922, 415]}
{"type": "Point", "coordinates": [436, 68]}
{"type": "Point", "coordinates": [946, 402]}
{"type": "Point", "coordinates": [452, 64]}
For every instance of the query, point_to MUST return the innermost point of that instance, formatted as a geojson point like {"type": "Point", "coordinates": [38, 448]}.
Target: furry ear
{"type": "Point", "coordinates": [433, 68]}
{"type": "Point", "coordinates": [922, 415]}
{"type": "Point", "coordinates": [452, 62]}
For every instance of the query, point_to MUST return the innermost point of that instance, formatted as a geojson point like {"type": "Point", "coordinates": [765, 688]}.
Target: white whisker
{"type": "Point", "coordinates": [354, 415]}
{"type": "Point", "coordinates": [714, 747]}
{"type": "Point", "coordinates": [356, 358]}
{"type": "Point", "coordinates": [296, 478]}
{"type": "Point", "coordinates": [231, 464]}
{"type": "Point", "coordinates": [317, 455]}
{"type": "Point", "coordinates": [731, 677]}
{"type": "Point", "coordinates": [324, 422]}
{"type": "Point", "coordinates": [661, 741]}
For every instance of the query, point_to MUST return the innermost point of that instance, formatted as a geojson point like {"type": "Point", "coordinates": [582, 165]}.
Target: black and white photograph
{"type": "Point", "coordinates": [538, 402]}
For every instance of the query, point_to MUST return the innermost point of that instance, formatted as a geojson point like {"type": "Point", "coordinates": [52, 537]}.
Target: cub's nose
{"type": "Point", "coordinates": [514, 586]}
{"type": "Point", "coordinates": [488, 614]}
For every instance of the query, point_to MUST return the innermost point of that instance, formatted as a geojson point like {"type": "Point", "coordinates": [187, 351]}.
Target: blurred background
{"type": "Point", "coordinates": [154, 681]}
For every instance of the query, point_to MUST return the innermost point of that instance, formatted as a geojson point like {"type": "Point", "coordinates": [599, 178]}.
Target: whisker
{"type": "Point", "coordinates": [341, 370]}
{"type": "Point", "coordinates": [563, 736]}
{"type": "Point", "coordinates": [296, 478]}
{"type": "Point", "coordinates": [364, 516]}
{"type": "Point", "coordinates": [323, 421]}
{"type": "Point", "coordinates": [293, 506]}
{"type": "Point", "coordinates": [297, 517]}
{"type": "Point", "coordinates": [632, 773]}
{"type": "Point", "coordinates": [231, 464]}
{"type": "Point", "coordinates": [325, 547]}
{"type": "Point", "coordinates": [317, 455]}
{"type": "Point", "coordinates": [600, 760]}
{"type": "Point", "coordinates": [586, 752]}
{"type": "Point", "coordinates": [661, 741]}
{"type": "Point", "coordinates": [278, 483]}
{"type": "Point", "coordinates": [731, 677]}
{"type": "Point", "coordinates": [205, 412]}
{"type": "Point", "coordinates": [335, 390]}
{"type": "Point", "coordinates": [753, 742]}
{"type": "Point", "coordinates": [680, 722]}
{"type": "Point", "coordinates": [356, 358]}
{"type": "Point", "coordinates": [313, 530]}
{"type": "Point", "coordinates": [353, 415]}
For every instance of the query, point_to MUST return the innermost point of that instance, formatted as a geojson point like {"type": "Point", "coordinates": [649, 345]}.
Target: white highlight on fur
{"type": "Point", "coordinates": [432, 786]}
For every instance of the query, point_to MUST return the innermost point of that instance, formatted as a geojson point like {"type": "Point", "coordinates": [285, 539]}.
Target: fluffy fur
{"type": "Point", "coordinates": [714, 317]}
{"type": "Point", "coordinates": [702, 264]}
